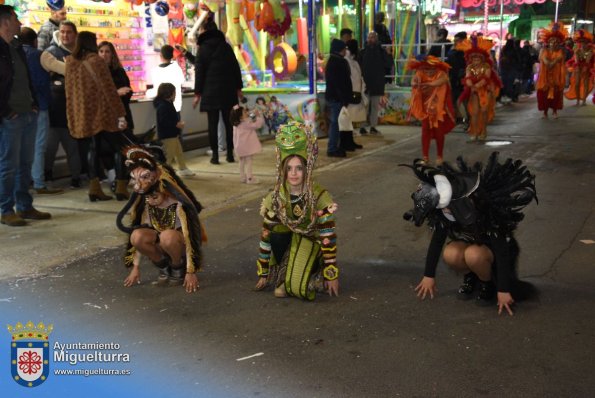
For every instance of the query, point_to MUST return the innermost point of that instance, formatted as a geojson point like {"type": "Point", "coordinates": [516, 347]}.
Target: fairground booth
{"type": "Point", "coordinates": [281, 46]}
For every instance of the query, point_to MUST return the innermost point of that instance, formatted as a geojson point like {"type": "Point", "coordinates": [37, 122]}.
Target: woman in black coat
{"type": "Point", "coordinates": [111, 158]}
{"type": "Point", "coordinates": [218, 84]}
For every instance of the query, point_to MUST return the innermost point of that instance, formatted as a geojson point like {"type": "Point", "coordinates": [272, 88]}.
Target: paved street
{"type": "Point", "coordinates": [375, 340]}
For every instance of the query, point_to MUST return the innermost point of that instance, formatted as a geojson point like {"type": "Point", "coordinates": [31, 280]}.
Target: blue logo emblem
{"type": "Point", "coordinates": [30, 353]}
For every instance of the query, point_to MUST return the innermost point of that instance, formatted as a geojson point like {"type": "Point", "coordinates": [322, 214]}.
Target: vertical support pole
{"type": "Point", "coordinates": [312, 44]}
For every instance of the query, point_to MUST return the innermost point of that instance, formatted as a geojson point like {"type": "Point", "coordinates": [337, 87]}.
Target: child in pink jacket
{"type": "Point", "coordinates": [245, 139]}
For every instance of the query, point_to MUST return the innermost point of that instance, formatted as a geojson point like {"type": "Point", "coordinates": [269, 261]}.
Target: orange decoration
{"type": "Point", "coordinates": [267, 15]}
{"type": "Point", "coordinates": [248, 10]}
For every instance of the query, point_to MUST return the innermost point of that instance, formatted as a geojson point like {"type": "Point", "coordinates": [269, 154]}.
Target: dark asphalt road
{"type": "Point", "coordinates": [376, 339]}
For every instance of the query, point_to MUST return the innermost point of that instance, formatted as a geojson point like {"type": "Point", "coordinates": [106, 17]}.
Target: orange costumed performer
{"type": "Point", "coordinates": [552, 71]}
{"type": "Point", "coordinates": [581, 65]}
{"type": "Point", "coordinates": [431, 102]}
{"type": "Point", "coordinates": [482, 85]}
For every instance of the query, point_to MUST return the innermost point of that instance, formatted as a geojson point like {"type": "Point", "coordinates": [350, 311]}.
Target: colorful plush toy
{"type": "Point", "coordinates": [162, 8]}
{"type": "Point", "coordinates": [274, 17]}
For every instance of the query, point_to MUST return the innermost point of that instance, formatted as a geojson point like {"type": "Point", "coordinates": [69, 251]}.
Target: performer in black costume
{"type": "Point", "coordinates": [478, 208]}
{"type": "Point", "coordinates": [165, 224]}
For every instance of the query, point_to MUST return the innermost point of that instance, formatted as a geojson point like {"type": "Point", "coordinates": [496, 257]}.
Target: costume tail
{"type": "Point", "coordinates": [123, 212]}
{"type": "Point", "coordinates": [521, 290]}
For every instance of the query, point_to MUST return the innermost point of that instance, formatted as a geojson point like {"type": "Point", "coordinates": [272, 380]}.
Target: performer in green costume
{"type": "Point", "coordinates": [298, 245]}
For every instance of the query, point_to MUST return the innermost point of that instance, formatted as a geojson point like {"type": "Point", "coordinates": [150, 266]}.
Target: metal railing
{"type": "Point", "coordinates": [399, 77]}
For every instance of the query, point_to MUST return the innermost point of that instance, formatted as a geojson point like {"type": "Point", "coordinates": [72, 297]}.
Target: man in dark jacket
{"type": "Point", "coordinates": [442, 45]}
{"type": "Point", "coordinates": [456, 59]}
{"type": "Point", "coordinates": [218, 84]}
{"type": "Point", "coordinates": [338, 93]}
{"type": "Point", "coordinates": [374, 61]}
{"type": "Point", "coordinates": [18, 123]}
{"type": "Point", "coordinates": [40, 80]}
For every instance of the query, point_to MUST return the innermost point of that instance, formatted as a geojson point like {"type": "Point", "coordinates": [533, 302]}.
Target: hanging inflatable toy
{"type": "Point", "coordinates": [190, 9]}
{"type": "Point", "coordinates": [234, 31]}
{"type": "Point", "coordinates": [274, 17]}
{"type": "Point", "coordinates": [205, 9]}
{"type": "Point", "coordinates": [161, 8]}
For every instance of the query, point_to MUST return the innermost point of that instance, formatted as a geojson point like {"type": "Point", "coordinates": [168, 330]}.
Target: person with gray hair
{"type": "Point", "coordinates": [374, 62]}
{"type": "Point", "coordinates": [46, 31]}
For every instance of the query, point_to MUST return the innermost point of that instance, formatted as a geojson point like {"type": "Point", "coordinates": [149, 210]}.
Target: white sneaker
{"type": "Point", "coordinates": [210, 151]}
{"type": "Point", "coordinates": [185, 173]}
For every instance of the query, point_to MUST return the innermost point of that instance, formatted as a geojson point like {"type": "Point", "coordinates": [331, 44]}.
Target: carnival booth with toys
{"type": "Point", "coordinates": [281, 46]}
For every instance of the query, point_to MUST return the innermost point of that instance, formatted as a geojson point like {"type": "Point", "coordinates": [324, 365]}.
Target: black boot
{"type": "Point", "coordinates": [467, 288]}
{"type": "Point", "coordinates": [344, 143]}
{"type": "Point", "coordinates": [352, 142]}
{"type": "Point", "coordinates": [229, 157]}
{"type": "Point", "coordinates": [487, 293]}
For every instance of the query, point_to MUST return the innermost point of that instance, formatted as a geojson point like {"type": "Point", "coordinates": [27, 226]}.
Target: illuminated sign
{"type": "Point", "coordinates": [492, 3]}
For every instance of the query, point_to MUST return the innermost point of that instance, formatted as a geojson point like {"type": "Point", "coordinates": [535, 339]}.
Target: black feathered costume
{"type": "Point", "coordinates": [474, 204]}
{"type": "Point", "coordinates": [187, 210]}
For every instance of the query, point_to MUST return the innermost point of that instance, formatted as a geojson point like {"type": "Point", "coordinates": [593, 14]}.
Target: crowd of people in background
{"type": "Point", "coordinates": [90, 117]}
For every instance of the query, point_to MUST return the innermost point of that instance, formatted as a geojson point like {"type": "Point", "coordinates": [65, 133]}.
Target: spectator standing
{"type": "Point", "coordinates": [40, 81]}
{"type": "Point", "coordinates": [374, 62]}
{"type": "Point", "coordinates": [529, 57]}
{"type": "Point", "coordinates": [169, 127]}
{"type": "Point", "coordinates": [509, 64]}
{"type": "Point", "coordinates": [52, 61]}
{"type": "Point", "coordinates": [218, 84]}
{"type": "Point", "coordinates": [338, 93]}
{"type": "Point", "coordinates": [359, 101]}
{"type": "Point", "coordinates": [245, 139]}
{"type": "Point", "coordinates": [381, 29]}
{"type": "Point", "coordinates": [46, 31]}
{"type": "Point", "coordinates": [346, 34]}
{"type": "Point", "coordinates": [18, 124]}
{"type": "Point", "coordinates": [95, 112]}
{"type": "Point", "coordinates": [442, 45]}
{"type": "Point", "coordinates": [108, 53]}
{"type": "Point", "coordinates": [168, 72]}
{"type": "Point", "coordinates": [456, 59]}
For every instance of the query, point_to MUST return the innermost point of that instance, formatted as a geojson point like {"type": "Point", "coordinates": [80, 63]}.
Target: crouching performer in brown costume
{"type": "Point", "coordinates": [165, 225]}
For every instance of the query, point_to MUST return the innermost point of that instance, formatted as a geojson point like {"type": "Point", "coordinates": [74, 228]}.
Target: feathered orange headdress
{"type": "Point", "coordinates": [427, 60]}
{"type": "Point", "coordinates": [554, 30]}
{"type": "Point", "coordinates": [476, 45]}
{"type": "Point", "coordinates": [582, 35]}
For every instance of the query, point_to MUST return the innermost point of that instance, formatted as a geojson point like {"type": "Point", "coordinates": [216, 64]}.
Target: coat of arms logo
{"type": "Point", "coordinates": [30, 353]}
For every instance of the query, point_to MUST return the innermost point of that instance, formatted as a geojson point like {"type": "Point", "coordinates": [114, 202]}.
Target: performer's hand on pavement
{"type": "Point", "coordinates": [195, 100]}
{"type": "Point", "coordinates": [133, 277]}
{"type": "Point", "coordinates": [332, 287]}
{"type": "Point", "coordinates": [425, 287]}
{"type": "Point", "coordinates": [262, 282]}
{"type": "Point", "coordinates": [191, 282]}
{"type": "Point", "coordinates": [505, 300]}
